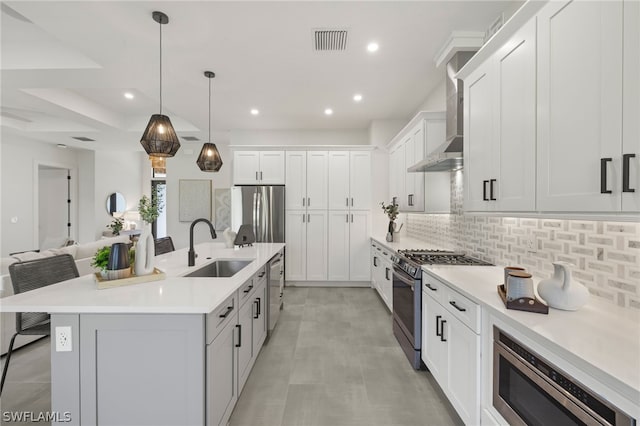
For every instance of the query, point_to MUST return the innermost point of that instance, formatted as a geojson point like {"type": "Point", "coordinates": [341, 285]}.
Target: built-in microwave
{"type": "Point", "coordinates": [528, 390]}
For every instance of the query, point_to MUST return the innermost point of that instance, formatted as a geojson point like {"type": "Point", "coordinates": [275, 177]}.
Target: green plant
{"type": "Point", "coordinates": [150, 208]}
{"type": "Point", "coordinates": [116, 225]}
{"type": "Point", "coordinates": [101, 258]}
{"type": "Point", "coordinates": [391, 210]}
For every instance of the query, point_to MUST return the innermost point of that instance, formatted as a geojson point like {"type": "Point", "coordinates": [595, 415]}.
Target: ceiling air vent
{"type": "Point", "coordinates": [83, 139]}
{"type": "Point", "coordinates": [190, 138]}
{"type": "Point", "coordinates": [327, 40]}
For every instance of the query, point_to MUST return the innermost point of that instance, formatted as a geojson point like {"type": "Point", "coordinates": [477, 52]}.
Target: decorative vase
{"type": "Point", "coordinates": [560, 291]}
{"type": "Point", "coordinates": [118, 266]}
{"type": "Point", "coordinates": [145, 252]}
{"type": "Point", "coordinates": [390, 231]}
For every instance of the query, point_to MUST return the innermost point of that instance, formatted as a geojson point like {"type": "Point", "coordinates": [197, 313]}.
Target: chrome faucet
{"type": "Point", "coordinates": [192, 253]}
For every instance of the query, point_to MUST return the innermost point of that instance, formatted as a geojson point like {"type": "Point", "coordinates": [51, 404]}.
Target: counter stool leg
{"type": "Point", "coordinates": [6, 364]}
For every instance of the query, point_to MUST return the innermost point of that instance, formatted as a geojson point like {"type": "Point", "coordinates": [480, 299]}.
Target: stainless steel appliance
{"type": "Point", "coordinates": [529, 390]}
{"type": "Point", "coordinates": [407, 294]}
{"type": "Point", "coordinates": [276, 290]}
{"type": "Point", "coordinates": [263, 208]}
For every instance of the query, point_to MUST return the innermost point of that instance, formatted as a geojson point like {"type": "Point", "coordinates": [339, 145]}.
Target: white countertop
{"type": "Point", "coordinates": [406, 243]}
{"type": "Point", "coordinates": [599, 338]}
{"type": "Point", "coordinates": [174, 295]}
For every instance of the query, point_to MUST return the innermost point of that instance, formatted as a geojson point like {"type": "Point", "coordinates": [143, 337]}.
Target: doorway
{"type": "Point", "coordinates": [159, 227]}
{"type": "Point", "coordinates": [54, 206]}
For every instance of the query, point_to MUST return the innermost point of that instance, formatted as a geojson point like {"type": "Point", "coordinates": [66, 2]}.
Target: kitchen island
{"type": "Point", "coordinates": [175, 351]}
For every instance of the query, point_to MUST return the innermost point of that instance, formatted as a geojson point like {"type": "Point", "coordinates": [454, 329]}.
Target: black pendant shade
{"type": "Point", "coordinates": [159, 138]}
{"type": "Point", "coordinates": [209, 159]}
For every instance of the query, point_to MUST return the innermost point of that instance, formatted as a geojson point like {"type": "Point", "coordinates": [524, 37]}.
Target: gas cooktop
{"type": "Point", "coordinates": [439, 257]}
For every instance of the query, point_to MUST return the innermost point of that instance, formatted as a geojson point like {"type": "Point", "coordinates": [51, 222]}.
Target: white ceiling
{"type": "Point", "coordinates": [66, 65]}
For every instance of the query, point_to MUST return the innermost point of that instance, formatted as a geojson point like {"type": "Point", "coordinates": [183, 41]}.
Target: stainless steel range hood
{"type": "Point", "coordinates": [448, 156]}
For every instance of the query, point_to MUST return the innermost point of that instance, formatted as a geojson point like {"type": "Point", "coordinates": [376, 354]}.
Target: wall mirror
{"type": "Point", "coordinates": [116, 203]}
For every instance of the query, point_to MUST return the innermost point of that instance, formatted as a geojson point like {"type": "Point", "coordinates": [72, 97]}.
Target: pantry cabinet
{"type": "Point", "coordinates": [631, 107]}
{"type": "Point", "coordinates": [500, 123]}
{"type": "Point", "coordinates": [349, 233]}
{"type": "Point", "coordinates": [349, 180]}
{"type": "Point", "coordinates": [307, 180]}
{"type": "Point", "coordinates": [258, 168]}
{"type": "Point", "coordinates": [306, 236]}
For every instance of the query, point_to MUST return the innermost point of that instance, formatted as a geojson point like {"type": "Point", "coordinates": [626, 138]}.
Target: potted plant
{"type": "Point", "coordinates": [116, 225]}
{"type": "Point", "coordinates": [101, 259]}
{"type": "Point", "coordinates": [391, 210]}
{"type": "Point", "coordinates": [104, 261]}
{"type": "Point", "coordinates": [149, 209]}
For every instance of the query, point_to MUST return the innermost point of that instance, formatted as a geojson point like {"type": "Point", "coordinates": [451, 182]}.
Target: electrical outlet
{"type": "Point", "coordinates": [532, 243]}
{"type": "Point", "coordinates": [63, 339]}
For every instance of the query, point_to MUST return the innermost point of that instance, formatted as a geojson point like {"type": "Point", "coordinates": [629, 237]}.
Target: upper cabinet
{"type": "Point", "coordinates": [258, 168]}
{"type": "Point", "coordinates": [349, 180]}
{"type": "Point", "coordinates": [500, 128]}
{"type": "Point", "coordinates": [552, 111]}
{"type": "Point", "coordinates": [307, 180]}
{"type": "Point", "coordinates": [418, 191]}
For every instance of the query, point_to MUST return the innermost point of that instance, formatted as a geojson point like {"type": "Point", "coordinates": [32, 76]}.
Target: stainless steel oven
{"type": "Point", "coordinates": [528, 390]}
{"type": "Point", "coordinates": [407, 316]}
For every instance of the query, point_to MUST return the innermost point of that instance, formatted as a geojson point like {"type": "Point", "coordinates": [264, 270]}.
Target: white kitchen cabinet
{"type": "Point", "coordinates": [631, 106]}
{"type": "Point", "coordinates": [451, 346]}
{"type": "Point", "coordinates": [349, 180]}
{"type": "Point", "coordinates": [306, 254]}
{"type": "Point", "coordinates": [500, 123]}
{"type": "Point", "coordinates": [221, 386]}
{"type": "Point", "coordinates": [381, 268]}
{"type": "Point", "coordinates": [244, 342]}
{"type": "Point", "coordinates": [581, 109]}
{"type": "Point", "coordinates": [258, 168]}
{"type": "Point", "coordinates": [396, 175]}
{"type": "Point", "coordinates": [414, 182]}
{"type": "Point", "coordinates": [259, 326]}
{"type": "Point", "coordinates": [306, 180]}
{"type": "Point", "coordinates": [349, 254]}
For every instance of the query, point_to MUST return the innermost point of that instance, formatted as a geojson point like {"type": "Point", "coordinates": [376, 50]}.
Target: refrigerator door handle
{"type": "Point", "coordinates": [255, 214]}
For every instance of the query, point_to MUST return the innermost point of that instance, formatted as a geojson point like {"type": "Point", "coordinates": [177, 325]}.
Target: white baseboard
{"type": "Point", "coordinates": [328, 284]}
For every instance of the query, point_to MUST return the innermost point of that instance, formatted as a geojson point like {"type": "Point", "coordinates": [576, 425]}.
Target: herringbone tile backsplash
{"type": "Point", "coordinates": [606, 255]}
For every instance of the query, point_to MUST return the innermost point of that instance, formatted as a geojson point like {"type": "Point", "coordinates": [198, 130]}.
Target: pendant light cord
{"type": "Point", "coordinates": [160, 24]}
{"type": "Point", "coordinates": [209, 109]}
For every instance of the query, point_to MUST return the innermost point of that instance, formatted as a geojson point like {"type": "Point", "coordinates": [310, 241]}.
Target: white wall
{"type": "Point", "coordinates": [86, 195]}
{"type": "Point", "coordinates": [300, 137]}
{"type": "Point", "coordinates": [436, 100]}
{"type": "Point", "coordinates": [52, 206]}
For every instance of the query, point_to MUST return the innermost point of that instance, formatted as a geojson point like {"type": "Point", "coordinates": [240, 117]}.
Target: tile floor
{"type": "Point", "coordinates": [332, 361]}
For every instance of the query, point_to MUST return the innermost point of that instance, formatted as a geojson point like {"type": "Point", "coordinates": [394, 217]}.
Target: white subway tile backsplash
{"type": "Point", "coordinates": [605, 254]}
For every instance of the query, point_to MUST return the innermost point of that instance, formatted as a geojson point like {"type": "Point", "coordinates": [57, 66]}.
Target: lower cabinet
{"type": "Point", "coordinates": [381, 270]}
{"type": "Point", "coordinates": [306, 236]}
{"type": "Point", "coordinates": [451, 347]}
{"type": "Point", "coordinates": [348, 258]}
{"type": "Point", "coordinates": [222, 388]}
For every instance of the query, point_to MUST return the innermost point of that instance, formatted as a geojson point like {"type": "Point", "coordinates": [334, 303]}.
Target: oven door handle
{"type": "Point", "coordinates": [403, 277]}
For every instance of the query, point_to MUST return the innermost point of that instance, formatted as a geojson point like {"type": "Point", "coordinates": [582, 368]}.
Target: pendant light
{"type": "Point", "coordinates": [159, 138]}
{"type": "Point", "coordinates": [209, 159]}
{"type": "Point", "coordinates": [158, 164]}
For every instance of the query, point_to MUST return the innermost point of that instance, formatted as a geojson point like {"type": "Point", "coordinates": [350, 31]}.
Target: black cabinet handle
{"type": "Point", "coordinates": [484, 190]}
{"type": "Point", "coordinates": [257, 314]}
{"type": "Point", "coordinates": [453, 303]}
{"type": "Point", "coordinates": [438, 318]}
{"type": "Point", "coordinates": [261, 274]}
{"type": "Point", "coordinates": [239, 327]}
{"type": "Point", "coordinates": [625, 172]}
{"type": "Point", "coordinates": [491, 197]}
{"type": "Point", "coordinates": [227, 312]}
{"type": "Point", "coordinates": [427, 285]}
{"type": "Point", "coordinates": [603, 176]}
{"type": "Point", "coordinates": [259, 303]}
{"type": "Point", "coordinates": [248, 289]}
{"type": "Point", "coordinates": [386, 273]}
{"type": "Point", "coordinates": [375, 263]}
{"type": "Point", "coordinates": [442, 339]}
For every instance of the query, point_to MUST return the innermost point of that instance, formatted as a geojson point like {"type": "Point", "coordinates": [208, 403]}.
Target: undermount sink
{"type": "Point", "coordinates": [220, 269]}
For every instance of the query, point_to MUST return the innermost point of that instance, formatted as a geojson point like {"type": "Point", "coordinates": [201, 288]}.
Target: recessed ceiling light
{"type": "Point", "coordinates": [128, 95]}
{"type": "Point", "coordinates": [357, 97]}
{"type": "Point", "coordinates": [372, 47]}
{"type": "Point", "coordinates": [254, 111]}
{"type": "Point", "coordinates": [328, 111]}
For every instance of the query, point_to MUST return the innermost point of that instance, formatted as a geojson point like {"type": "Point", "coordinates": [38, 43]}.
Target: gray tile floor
{"type": "Point", "coordinates": [332, 361]}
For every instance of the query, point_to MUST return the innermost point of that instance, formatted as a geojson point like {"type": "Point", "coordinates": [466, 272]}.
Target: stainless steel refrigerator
{"type": "Point", "coordinates": [263, 208]}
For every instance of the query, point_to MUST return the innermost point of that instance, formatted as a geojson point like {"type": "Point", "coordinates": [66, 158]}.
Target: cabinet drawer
{"type": "Point", "coordinates": [246, 290]}
{"type": "Point", "coordinates": [216, 320]}
{"type": "Point", "coordinates": [462, 308]}
{"type": "Point", "coordinates": [434, 288]}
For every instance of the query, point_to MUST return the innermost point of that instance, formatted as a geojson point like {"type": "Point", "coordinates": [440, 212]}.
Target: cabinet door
{"type": "Point", "coordinates": [580, 106]}
{"type": "Point", "coordinates": [244, 343]}
{"type": "Point", "coordinates": [415, 181]}
{"type": "Point", "coordinates": [317, 180]}
{"type": "Point", "coordinates": [296, 180]}
{"type": "Point", "coordinates": [386, 283]}
{"type": "Point", "coordinates": [338, 180]}
{"type": "Point", "coordinates": [221, 377]}
{"type": "Point", "coordinates": [463, 365]}
{"type": "Point", "coordinates": [359, 237]}
{"type": "Point", "coordinates": [272, 169]}
{"type": "Point", "coordinates": [296, 238]}
{"type": "Point", "coordinates": [338, 233]}
{"type": "Point", "coordinates": [631, 103]}
{"type": "Point", "coordinates": [434, 349]}
{"type": "Point", "coordinates": [259, 328]}
{"type": "Point", "coordinates": [514, 167]}
{"type": "Point", "coordinates": [396, 176]}
{"type": "Point", "coordinates": [360, 180]}
{"type": "Point", "coordinates": [316, 245]}
{"type": "Point", "coordinates": [478, 137]}
{"type": "Point", "coordinates": [246, 167]}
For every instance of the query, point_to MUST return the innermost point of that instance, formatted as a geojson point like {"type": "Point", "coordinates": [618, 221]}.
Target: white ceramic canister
{"type": "Point", "coordinates": [560, 291]}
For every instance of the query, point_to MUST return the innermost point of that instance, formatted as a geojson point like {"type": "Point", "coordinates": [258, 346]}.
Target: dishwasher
{"type": "Point", "coordinates": [276, 290]}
